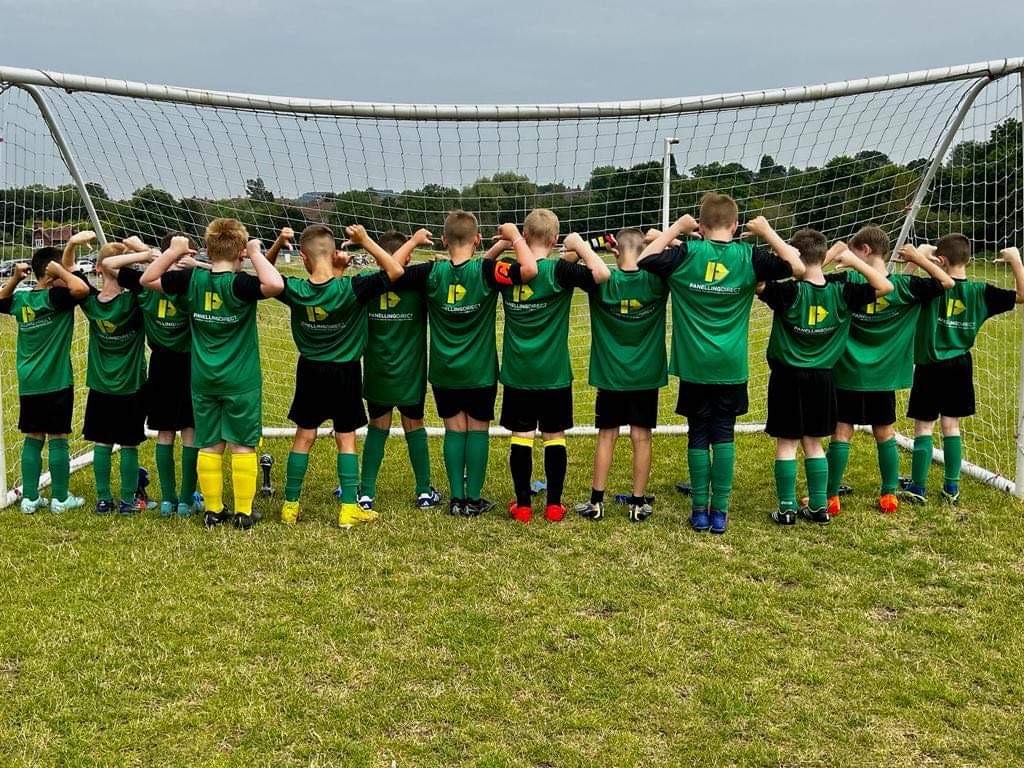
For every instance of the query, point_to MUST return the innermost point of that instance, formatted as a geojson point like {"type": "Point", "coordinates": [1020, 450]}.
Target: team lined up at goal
{"type": "Point", "coordinates": [841, 344]}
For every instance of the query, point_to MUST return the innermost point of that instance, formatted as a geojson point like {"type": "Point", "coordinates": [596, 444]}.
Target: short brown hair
{"type": "Point", "coordinates": [811, 244]}
{"type": "Point", "coordinates": [460, 228]}
{"type": "Point", "coordinates": [954, 248]}
{"type": "Point", "coordinates": [873, 238]}
{"type": "Point", "coordinates": [630, 239]}
{"type": "Point", "coordinates": [391, 240]}
{"type": "Point", "coordinates": [225, 239]}
{"type": "Point", "coordinates": [317, 241]}
{"type": "Point", "coordinates": [541, 226]}
{"type": "Point", "coordinates": [718, 211]}
{"type": "Point", "coordinates": [165, 241]}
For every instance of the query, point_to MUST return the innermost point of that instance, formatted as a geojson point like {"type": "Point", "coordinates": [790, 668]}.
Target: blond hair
{"type": "Point", "coordinates": [717, 211]}
{"type": "Point", "coordinates": [540, 227]}
{"type": "Point", "coordinates": [225, 239]}
{"type": "Point", "coordinates": [111, 249]}
{"type": "Point", "coordinates": [460, 228]}
{"type": "Point", "coordinates": [630, 240]}
{"type": "Point", "coordinates": [317, 241]}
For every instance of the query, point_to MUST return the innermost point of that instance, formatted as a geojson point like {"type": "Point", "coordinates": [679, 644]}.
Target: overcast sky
{"type": "Point", "coordinates": [519, 51]}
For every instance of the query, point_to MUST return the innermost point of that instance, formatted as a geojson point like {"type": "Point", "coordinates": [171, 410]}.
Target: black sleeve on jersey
{"type": "Point", "coordinates": [858, 295]}
{"type": "Point", "coordinates": [176, 283]}
{"type": "Point", "coordinates": [369, 287]}
{"type": "Point", "coordinates": [570, 275]}
{"type": "Point", "coordinates": [130, 279]}
{"type": "Point", "coordinates": [999, 300]}
{"type": "Point", "coordinates": [664, 264]}
{"type": "Point", "coordinates": [499, 274]}
{"type": "Point", "coordinates": [768, 266]}
{"type": "Point", "coordinates": [61, 298]}
{"type": "Point", "coordinates": [836, 277]}
{"type": "Point", "coordinates": [415, 277]}
{"type": "Point", "coordinates": [93, 290]}
{"type": "Point", "coordinates": [779, 294]}
{"type": "Point", "coordinates": [924, 289]}
{"type": "Point", "coordinates": [247, 287]}
{"type": "Point", "coordinates": [6, 305]}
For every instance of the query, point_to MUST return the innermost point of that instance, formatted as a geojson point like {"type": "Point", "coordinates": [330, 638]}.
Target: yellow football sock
{"type": "Point", "coordinates": [210, 470]}
{"type": "Point", "coordinates": [244, 468]}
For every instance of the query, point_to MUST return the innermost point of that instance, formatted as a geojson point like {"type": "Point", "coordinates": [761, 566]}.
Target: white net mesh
{"type": "Point", "coordinates": [831, 163]}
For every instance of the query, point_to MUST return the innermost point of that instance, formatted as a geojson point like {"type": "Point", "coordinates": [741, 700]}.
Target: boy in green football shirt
{"type": "Point", "coordinates": [168, 387]}
{"type": "Point", "coordinates": [809, 333]}
{"type": "Point", "coordinates": [878, 360]}
{"type": "Point", "coordinates": [227, 380]}
{"type": "Point", "coordinates": [115, 413]}
{"type": "Point", "coordinates": [535, 369]}
{"type": "Point", "coordinates": [328, 320]}
{"type": "Point", "coordinates": [711, 281]}
{"type": "Point", "coordinates": [46, 323]}
{"type": "Point", "coordinates": [628, 367]}
{"type": "Point", "coordinates": [461, 295]}
{"type": "Point", "coordinates": [395, 363]}
{"type": "Point", "coordinates": [944, 371]}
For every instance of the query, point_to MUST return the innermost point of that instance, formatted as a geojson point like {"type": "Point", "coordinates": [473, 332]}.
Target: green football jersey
{"type": "Point", "coordinates": [461, 305]}
{"type": "Point", "coordinates": [117, 345]}
{"type": "Point", "coordinates": [811, 323]}
{"type": "Point", "coordinates": [949, 325]}
{"type": "Point", "coordinates": [879, 352]}
{"type": "Point", "coordinates": [712, 287]}
{"type": "Point", "coordinates": [164, 317]}
{"type": "Point", "coordinates": [45, 331]}
{"type": "Point", "coordinates": [225, 342]}
{"type": "Point", "coordinates": [535, 348]}
{"type": "Point", "coordinates": [328, 322]}
{"type": "Point", "coordinates": [627, 332]}
{"type": "Point", "coordinates": [395, 360]}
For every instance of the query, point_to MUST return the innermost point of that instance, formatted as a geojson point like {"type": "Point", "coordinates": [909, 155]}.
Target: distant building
{"type": "Point", "coordinates": [43, 237]}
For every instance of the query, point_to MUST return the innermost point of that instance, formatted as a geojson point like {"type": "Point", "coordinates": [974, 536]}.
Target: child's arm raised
{"type": "Point", "coordinates": [79, 238]}
{"type": "Point", "coordinates": [759, 226]}
{"type": "Point", "coordinates": [499, 246]}
{"type": "Point", "coordinates": [359, 236]}
{"type": "Point", "coordinates": [918, 258]}
{"type": "Point", "coordinates": [876, 278]}
{"type": "Point", "coordinates": [271, 282]}
{"type": "Point", "coordinates": [1011, 256]}
{"type": "Point", "coordinates": [681, 227]}
{"type": "Point", "coordinates": [598, 269]}
{"type": "Point", "coordinates": [524, 254]}
{"type": "Point", "coordinates": [77, 287]}
{"type": "Point", "coordinates": [284, 237]}
{"type": "Point", "coordinates": [21, 270]}
{"type": "Point", "coordinates": [138, 253]}
{"type": "Point", "coordinates": [158, 267]}
{"type": "Point", "coordinates": [420, 239]}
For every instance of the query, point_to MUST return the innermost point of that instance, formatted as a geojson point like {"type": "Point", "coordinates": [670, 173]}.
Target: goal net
{"type": "Point", "coordinates": [919, 154]}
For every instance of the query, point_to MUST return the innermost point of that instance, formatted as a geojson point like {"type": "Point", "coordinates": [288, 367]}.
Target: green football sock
{"type": "Point", "coordinates": [889, 465]}
{"type": "Point", "coordinates": [455, 462]}
{"type": "Point", "coordinates": [189, 457]}
{"type": "Point", "coordinates": [838, 457]}
{"type": "Point", "coordinates": [373, 455]}
{"type": "Point", "coordinates": [952, 458]}
{"type": "Point", "coordinates": [129, 473]}
{"type": "Point", "coordinates": [817, 482]}
{"type": "Point", "coordinates": [699, 462]}
{"type": "Point", "coordinates": [348, 477]}
{"type": "Point", "coordinates": [31, 467]}
{"type": "Point", "coordinates": [60, 467]}
{"type": "Point", "coordinates": [922, 459]}
{"type": "Point", "coordinates": [419, 457]}
{"type": "Point", "coordinates": [785, 483]}
{"type": "Point", "coordinates": [294, 474]}
{"type": "Point", "coordinates": [722, 468]}
{"type": "Point", "coordinates": [477, 454]}
{"type": "Point", "coordinates": [166, 472]}
{"type": "Point", "coordinates": [101, 471]}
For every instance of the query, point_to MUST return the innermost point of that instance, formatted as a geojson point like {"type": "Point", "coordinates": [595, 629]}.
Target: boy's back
{"type": "Point", "coordinates": [46, 325]}
{"type": "Point", "coordinates": [117, 356]}
{"type": "Point", "coordinates": [395, 359]}
{"type": "Point", "coordinates": [949, 325]}
{"type": "Point", "coordinates": [327, 319]}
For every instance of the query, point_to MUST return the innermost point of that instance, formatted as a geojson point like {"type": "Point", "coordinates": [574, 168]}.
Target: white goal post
{"type": "Point", "coordinates": [920, 154]}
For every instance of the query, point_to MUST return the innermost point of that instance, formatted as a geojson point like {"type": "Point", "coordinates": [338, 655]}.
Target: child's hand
{"type": "Point", "coordinates": [1009, 256]}
{"type": "Point", "coordinates": [830, 255]}
{"type": "Point", "coordinates": [928, 251]}
{"type": "Point", "coordinates": [286, 235]}
{"type": "Point", "coordinates": [422, 237]}
{"type": "Point", "coordinates": [134, 243]}
{"type": "Point", "coordinates": [509, 231]}
{"type": "Point", "coordinates": [356, 233]}
{"type": "Point", "coordinates": [573, 242]}
{"type": "Point", "coordinates": [759, 226]}
{"type": "Point", "coordinates": [651, 235]}
{"type": "Point", "coordinates": [253, 248]}
{"type": "Point", "coordinates": [501, 243]}
{"type": "Point", "coordinates": [340, 261]}
{"type": "Point", "coordinates": [180, 245]}
{"type": "Point", "coordinates": [21, 270]}
{"type": "Point", "coordinates": [83, 237]}
{"type": "Point", "coordinates": [54, 269]}
{"type": "Point", "coordinates": [847, 258]}
{"type": "Point", "coordinates": [686, 224]}
{"type": "Point", "coordinates": [911, 255]}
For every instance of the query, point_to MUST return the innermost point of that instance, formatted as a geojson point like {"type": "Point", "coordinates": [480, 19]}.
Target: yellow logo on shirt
{"type": "Point", "coordinates": [166, 309]}
{"type": "Point", "coordinates": [212, 301]}
{"type": "Point", "coordinates": [816, 314]}
{"type": "Point", "coordinates": [878, 305]}
{"type": "Point", "coordinates": [714, 272]}
{"type": "Point", "coordinates": [456, 293]}
{"type": "Point", "coordinates": [521, 293]}
{"type": "Point", "coordinates": [316, 314]}
{"type": "Point", "coordinates": [389, 300]}
{"type": "Point", "coordinates": [954, 307]}
{"type": "Point", "coordinates": [628, 305]}
{"type": "Point", "coordinates": [27, 314]}
{"type": "Point", "coordinates": [106, 326]}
